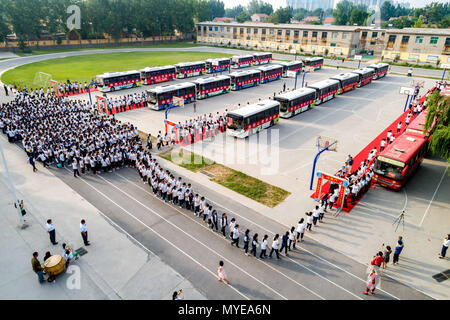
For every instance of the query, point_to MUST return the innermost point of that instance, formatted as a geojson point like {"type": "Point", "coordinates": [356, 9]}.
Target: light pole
{"type": "Point", "coordinates": [11, 185]}
{"type": "Point", "coordinates": [89, 90]}
{"type": "Point", "coordinates": [303, 80]}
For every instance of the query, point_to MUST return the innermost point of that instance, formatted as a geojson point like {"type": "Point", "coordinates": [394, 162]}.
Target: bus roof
{"type": "Point", "coordinates": [290, 63]}
{"type": "Point", "coordinates": [404, 147]}
{"type": "Point", "coordinates": [418, 124]}
{"type": "Point", "coordinates": [295, 94]}
{"type": "Point", "coordinates": [210, 79]}
{"type": "Point", "coordinates": [345, 76]}
{"type": "Point", "coordinates": [243, 73]}
{"type": "Point", "coordinates": [170, 87]}
{"type": "Point", "coordinates": [363, 71]}
{"type": "Point", "coordinates": [149, 69]}
{"type": "Point", "coordinates": [323, 84]}
{"type": "Point", "coordinates": [117, 74]}
{"type": "Point", "coordinates": [218, 59]}
{"type": "Point", "coordinates": [185, 64]}
{"type": "Point", "coordinates": [262, 53]}
{"type": "Point", "coordinates": [254, 108]}
{"type": "Point", "coordinates": [244, 56]}
{"type": "Point", "coordinates": [312, 59]}
{"type": "Point", "coordinates": [269, 67]}
{"type": "Point", "coordinates": [377, 65]}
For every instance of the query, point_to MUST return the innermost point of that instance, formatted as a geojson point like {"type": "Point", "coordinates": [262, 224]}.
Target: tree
{"type": "Point", "coordinates": [217, 8]}
{"type": "Point", "coordinates": [243, 16]}
{"type": "Point", "coordinates": [4, 29]}
{"type": "Point", "coordinates": [358, 15]}
{"type": "Point", "coordinates": [233, 12]}
{"type": "Point", "coordinates": [319, 13]}
{"type": "Point", "coordinates": [282, 15]}
{"type": "Point", "coordinates": [439, 110]}
{"type": "Point", "coordinates": [300, 14]}
{"type": "Point", "coordinates": [418, 23]}
{"type": "Point", "coordinates": [342, 13]}
{"type": "Point", "coordinates": [258, 6]}
{"type": "Point", "coordinates": [387, 11]}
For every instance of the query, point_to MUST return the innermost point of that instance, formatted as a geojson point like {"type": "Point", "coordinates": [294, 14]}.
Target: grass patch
{"type": "Point", "coordinates": [237, 181]}
{"type": "Point", "coordinates": [85, 68]}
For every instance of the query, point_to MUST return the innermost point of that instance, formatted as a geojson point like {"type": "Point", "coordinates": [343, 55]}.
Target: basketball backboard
{"type": "Point", "coordinates": [178, 102]}
{"type": "Point", "coordinates": [407, 91]}
{"type": "Point", "coordinates": [323, 142]}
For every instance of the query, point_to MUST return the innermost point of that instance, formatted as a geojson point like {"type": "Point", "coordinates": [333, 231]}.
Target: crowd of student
{"type": "Point", "coordinates": [117, 104]}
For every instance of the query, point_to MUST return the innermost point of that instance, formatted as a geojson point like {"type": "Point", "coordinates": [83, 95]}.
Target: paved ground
{"type": "Point", "coordinates": [335, 271]}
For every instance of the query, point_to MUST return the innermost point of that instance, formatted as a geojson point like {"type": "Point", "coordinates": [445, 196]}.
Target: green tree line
{"type": "Point", "coordinates": [31, 19]}
{"type": "Point", "coordinates": [439, 112]}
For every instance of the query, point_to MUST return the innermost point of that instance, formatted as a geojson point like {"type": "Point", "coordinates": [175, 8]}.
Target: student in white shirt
{"type": "Point", "coordinates": [235, 236]}
{"type": "Point", "coordinates": [300, 229]}
{"type": "Point", "coordinates": [275, 246]}
{"type": "Point", "coordinates": [309, 221]}
{"type": "Point", "coordinates": [263, 252]}
{"type": "Point", "coordinates": [315, 215]}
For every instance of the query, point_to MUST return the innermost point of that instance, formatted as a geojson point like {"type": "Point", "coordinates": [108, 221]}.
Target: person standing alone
{"type": "Point", "coordinates": [37, 267]}
{"type": "Point", "coordinates": [84, 232]}
{"type": "Point", "coordinates": [445, 245]}
{"type": "Point", "coordinates": [51, 231]}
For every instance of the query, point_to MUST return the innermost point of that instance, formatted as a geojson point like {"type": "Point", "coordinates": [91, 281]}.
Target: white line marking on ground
{"type": "Point", "coordinates": [159, 235]}
{"type": "Point", "coordinates": [406, 199]}
{"type": "Point", "coordinates": [218, 235]}
{"type": "Point", "coordinates": [187, 234]}
{"type": "Point", "coordinates": [434, 194]}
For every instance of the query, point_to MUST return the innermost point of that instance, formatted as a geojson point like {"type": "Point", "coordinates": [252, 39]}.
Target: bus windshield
{"type": "Point", "coordinates": [152, 97]}
{"type": "Point", "coordinates": [391, 168]}
{"type": "Point", "coordinates": [235, 122]}
{"type": "Point", "coordinates": [284, 106]}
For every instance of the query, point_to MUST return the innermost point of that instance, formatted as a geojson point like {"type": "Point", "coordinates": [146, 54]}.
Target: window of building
{"type": "Point", "coordinates": [364, 34]}
{"type": "Point", "coordinates": [255, 31]}
{"type": "Point", "coordinates": [305, 33]}
{"type": "Point", "coordinates": [405, 39]}
{"type": "Point", "coordinates": [288, 32]}
{"type": "Point", "coordinates": [279, 32]}
{"type": "Point", "coordinates": [216, 28]}
{"type": "Point", "coordinates": [221, 29]}
{"type": "Point", "coordinates": [434, 40]}
{"type": "Point", "coordinates": [419, 39]}
{"type": "Point", "coordinates": [374, 34]}
{"type": "Point", "coordinates": [373, 43]}
{"type": "Point", "coordinates": [295, 33]}
{"type": "Point", "coordinates": [199, 28]}
{"type": "Point", "coordinates": [392, 38]}
{"type": "Point", "coordinates": [234, 30]}
{"type": "Point", "coordinates": [447, 41]}
{"type": "Point", "coordinates": [248, 30]}
{"type": "Point", "coordinates": [241, 30]}
{"type": "Point", "coordinates": [416, 50]}
{"type": "Point", "coordinates": [334, 35]}
{"type": "Point", "coordinates": [263, 31]}
{"type": "Point", "coordinates": [271, 31]}
{"type": "Point", "coordinates": [314, 35]}
{"type": "Point", "coordinates": [324, 35]}
{"type": "Point", "coordinates": [210, 28]}
{"type": "Point", "coordinates": [344, 35]}
{"type": "Point", "coordinates": [333, 44]}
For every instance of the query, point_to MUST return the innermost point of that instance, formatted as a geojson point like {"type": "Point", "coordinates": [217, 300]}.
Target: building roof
{"type": "Point", "coordinates": [281, 26]}
{"type": "Point", "coordinates": [311, 18]}
{"type": "Point", "coordinates": [328, 20]}
{"type": "Point", "coordinates": [224, 19]}
{"type": "Point", "coordinates": [424, 31]}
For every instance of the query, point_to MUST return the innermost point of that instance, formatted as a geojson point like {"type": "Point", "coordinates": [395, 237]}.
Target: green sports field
{"type": "Point", "coordinates": [85, 68]}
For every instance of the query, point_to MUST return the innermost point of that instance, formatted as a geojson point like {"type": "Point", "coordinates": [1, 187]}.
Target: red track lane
{"type": "Point", "coordinates": [363, 154]}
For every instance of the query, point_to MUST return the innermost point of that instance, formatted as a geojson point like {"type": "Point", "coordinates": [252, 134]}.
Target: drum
{"type": "Point", "coordinates": [55, 265]}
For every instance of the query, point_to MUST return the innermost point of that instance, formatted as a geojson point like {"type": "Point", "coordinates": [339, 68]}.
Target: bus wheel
{"type": "Point", "coordinates": [152, 82]}
{"type": "Point", "coordinates": [271, 123]}
{"type": "Point", "coordinates": [112, 89]}
{"type": "Point", "coordinates": [134, 85]}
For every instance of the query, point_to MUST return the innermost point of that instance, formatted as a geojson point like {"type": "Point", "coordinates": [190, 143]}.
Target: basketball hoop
{"type": "Point", "coordinates": [177, 101]}
{"type": "Point", "coordinates": [310, 69]}
{"type": "Point", "coordinates": [327, 142]}
{"type": "Point", "coordinates": [417, 83]}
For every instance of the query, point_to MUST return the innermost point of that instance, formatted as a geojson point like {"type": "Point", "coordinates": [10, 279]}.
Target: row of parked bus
{"type": "Point", "coordinates": [395, 164]}
{"type": "Point", "coordinates": [161, 97]}
{"type": "Point", "coordinates": [113, 81]}
{"type": "Point", "coordinates": [253, 118]}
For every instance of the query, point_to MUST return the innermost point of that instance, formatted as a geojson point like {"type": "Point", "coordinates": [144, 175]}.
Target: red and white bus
{"type": "Point", "coordinates": [253, 118]}
{"type": "Point", "coordinates": [381, 70]}
{"type": "Point", "coordinates": [295, 102]}
{"type": "Point", "coordinates": [243, 61]}
{"type": "Point", "coordinates": [153, 75]}
{"type": "Point", "coordinates": [161, 97]}
{"type": "Point", "coordinates": [212, 86]}
{"type": "Point", "coordinates": [314, 62]}
{"type": "Point", "coordinates": [417, 126]}
{"type": "Point", "coordinates": [217, 65]}
{"type": "Point", "coordinates": [118, 80]}
{"type": "Point", "coordinates": [325, 90]}
{"type": "Point", "coordinates": [347, 81]}
{"type": "Point", "coordinates": [262, 57]}
{"type": "Point", "coordinates": [291, 68]}
{"type": "Point", "coordinates": [190, 69]}
{"type": "Point", "coordinates": [245, 79]}
{"type": "Point", "coordinates": [399, 160]}
{"type": "Point", "coordinates": [365, 76]}
{"type": "Point", "coordinates": [270, 73]}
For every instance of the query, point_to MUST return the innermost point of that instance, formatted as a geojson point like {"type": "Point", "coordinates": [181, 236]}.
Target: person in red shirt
{"type": "Point", "coordinates": [377, 260]}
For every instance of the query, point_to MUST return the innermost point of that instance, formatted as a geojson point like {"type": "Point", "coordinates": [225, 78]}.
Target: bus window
{"type": "Point", "coordinates": [235, 122]}
{"type": "Point", "coordinates": [390, 170]}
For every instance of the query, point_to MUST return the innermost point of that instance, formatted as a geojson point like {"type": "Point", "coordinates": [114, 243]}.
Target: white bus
{"type": "Point", "coordinates": [365, 76]}
{"type": "Point", "coordinates": [270, 73]}
{"type": "Point", "coordinates": [190, 69]}
{"type": "Point", "coordinates": [325, 90]}
{"type": "Point", "coordinates": [161, 97]}
{"type": "Point", "coordinates": [212, 86]}
{"type": "Point", "coordinates": [253, 118]}
{"type": "Point", "coordinates": [262, 57]}
{"type": "Point", "coordinates": [217, 65]}
{"type": "Point", "coordinates": [294, 67]}
{"type": "Point", "coordinates": [243, 61]}
{"type": "Point", "coordinates": [295, 102]}
{"type": "Point", "coordinates": [118, 80]}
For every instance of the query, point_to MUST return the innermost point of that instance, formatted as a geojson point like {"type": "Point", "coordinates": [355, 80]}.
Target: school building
{"type": "Point", "coordinates": [423, 45]}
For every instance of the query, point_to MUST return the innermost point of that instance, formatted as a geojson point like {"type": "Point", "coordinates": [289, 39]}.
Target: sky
{"type": "Point", "coordinates": [278, 3]}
